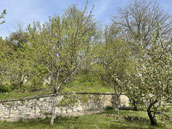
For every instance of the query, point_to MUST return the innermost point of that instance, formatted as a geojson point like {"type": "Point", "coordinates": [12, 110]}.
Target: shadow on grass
{"type": "Point", "coordinates": [106, 120]}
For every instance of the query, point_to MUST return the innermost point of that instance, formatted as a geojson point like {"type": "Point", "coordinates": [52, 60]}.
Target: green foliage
{"type": "Point", "coordinates": [114, 60]}
{"type": "Point", "coordinates": [4, 88]}
{"type": "Point", "coordinates": [109, 108]}
{"type": "Point", "coordinates": [58, 43]}
{"type": "Point", "coordinates": [2, 16]}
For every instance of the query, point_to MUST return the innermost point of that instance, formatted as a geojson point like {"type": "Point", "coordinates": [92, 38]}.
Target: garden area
{"type": "Point", "coordinates": [71, 63]}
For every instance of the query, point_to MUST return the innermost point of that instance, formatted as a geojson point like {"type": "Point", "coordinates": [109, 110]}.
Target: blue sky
{"type": "Point", "coordinates": [27, 11]}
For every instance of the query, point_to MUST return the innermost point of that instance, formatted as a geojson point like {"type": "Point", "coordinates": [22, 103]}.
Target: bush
{"type": "Point", "coordinates": [108, 108]}
{"type": "Point", "coordinates": [4, 88]}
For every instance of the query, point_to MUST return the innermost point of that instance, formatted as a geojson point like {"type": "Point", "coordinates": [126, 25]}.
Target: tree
{"type": "Point", "coordinates": [18, 39]}
{"type": "Point", "coordinates": [2, 44]}
{"type": "Point", "coordinates": [132, 86]}
{"type": "Point", "coordinates": [114, 61]}
{"type": "Point", "coordinates": [154, 74]}
{"type": "Point", "coordinates": [57, 47]}
{"type": "Point", "coordinates": [20, 59]}
{"type": "Point", "coordinates": [139, 20]}
{"type": "Point", "coordinates": [4, 56]}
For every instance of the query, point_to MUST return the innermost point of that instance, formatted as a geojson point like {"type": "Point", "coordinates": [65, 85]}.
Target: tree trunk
{"type": "Point", "coordinates": [135, 105]}
{"type": "Point", "coordinates": [149, 112]}
{"type": "Point", "coordinates": [151, 118]}
{"type": "Point", "coordinates": [53, 111]}
{"type": "Point", "coordinates": [118, 103]}
{"type": "Point", "coordinates": [20, 82]}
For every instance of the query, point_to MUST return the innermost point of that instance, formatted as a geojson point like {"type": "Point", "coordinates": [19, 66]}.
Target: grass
{"type": "Point", "coordinates": [106, 120]}
{"type": "Point", "coordinates": [74, 86]}
{"type": "Point", "coordinates": [88, 83]}
{"type": "Point", "coordinates": [86, 87]}
{"type": "Point", "coordinates": [18, 94]}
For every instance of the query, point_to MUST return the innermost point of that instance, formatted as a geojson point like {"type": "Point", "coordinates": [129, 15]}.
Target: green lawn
{"type": "Point", "coordinates": [106, 120]}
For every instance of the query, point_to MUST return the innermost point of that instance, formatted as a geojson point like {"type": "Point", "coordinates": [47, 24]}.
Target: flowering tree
{"type": "Point", "coordinates": [154, 74]}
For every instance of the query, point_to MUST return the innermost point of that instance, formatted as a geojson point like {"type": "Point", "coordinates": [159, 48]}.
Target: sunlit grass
{"type": "Point", "coordinates": [97, 121]}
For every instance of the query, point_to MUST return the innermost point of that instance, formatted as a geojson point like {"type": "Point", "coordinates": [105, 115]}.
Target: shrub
{"type": "Point", "coordinates": [4, 88]}
{"type": "Point", "coordinates": [108, 108]}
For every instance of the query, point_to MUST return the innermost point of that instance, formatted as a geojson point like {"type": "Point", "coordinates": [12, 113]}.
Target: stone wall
{"type": "Point", "coordinates": [41, 107]}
